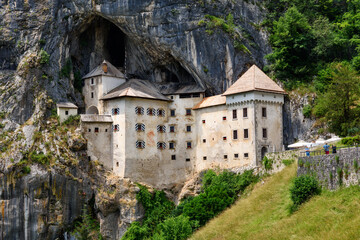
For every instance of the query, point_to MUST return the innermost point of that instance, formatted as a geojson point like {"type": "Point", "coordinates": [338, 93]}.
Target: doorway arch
{"type": "Point", "coordinates": [92, 110]}
{"type": "Point", "coordinates": [264, 150]}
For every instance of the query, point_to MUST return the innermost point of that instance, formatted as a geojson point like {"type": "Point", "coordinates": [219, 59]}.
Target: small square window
{"type": "Point", "coordinates": [172, 97]}
{"type": "Point", "coordinates": [188, 160]}
{"type": "Point", "coordinates": [66, 112]}
{"type": "Point", "coordinates": [171, 145]}
{"type": "Point", "coordinates": [245, 113]}
{"type": "Point", "coordinates": [188, 128]}
{"type": "Point", "coordinates": [105, 130]}
{"type": "Point", "coordinates": [117, 164]}
{"type": "Point", "coordinates": [92, 94]}
{"type": "Point", "coordinates": [188, 112]}
{"type": "Point", "coordinates": [96, 129]}
{"type": "Point", "coordinates": [89, 130]}
{"type": "Point", "coordinates": [225, 156]}
{"type": "Point", "coordinates": [92, 81]}
{"type": "Point", "coordinates": [224, 138]}
{"type": "Point", "coordinates": [236, 155]}
{"type": "Point", "coordinates": [203, 121]}
{"type": "Point", "coordinates": [246, 133]}
{"type": "Point", "coordinates": [246, 155]}
{"type": "Point", "coordinates": [173, 157]}
{"type": "Point", "coordinates": [204, 157]}
{"type": "Point", "coordinates": [172, 128]}
{"type": "Point", "coordinates": [264, 132]}
{"type": "Point", "coordinates": [188, 144]}
{"type": "Point", "coordinates": [204, 140]}
{"type": "Point", "coordinates": [172, 112]}
{"type": "Point", "coordinates": [224, 118]}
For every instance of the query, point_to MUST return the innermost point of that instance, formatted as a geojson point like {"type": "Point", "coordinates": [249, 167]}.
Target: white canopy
{"type": "Point", "coordinates": [298, 144]}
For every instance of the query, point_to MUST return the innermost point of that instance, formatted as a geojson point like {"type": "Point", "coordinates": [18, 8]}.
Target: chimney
{"type": "Point", "coordinates": [104, 67]}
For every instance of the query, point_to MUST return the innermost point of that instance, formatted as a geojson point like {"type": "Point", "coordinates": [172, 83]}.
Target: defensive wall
{"type": "Point", "coordinates": [333, 170]}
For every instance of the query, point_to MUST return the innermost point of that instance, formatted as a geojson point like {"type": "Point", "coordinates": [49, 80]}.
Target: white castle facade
{"type": "Point", "coordinates": [162, 134]}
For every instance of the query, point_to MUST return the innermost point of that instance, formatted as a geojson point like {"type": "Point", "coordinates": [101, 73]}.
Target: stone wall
{"type": "Point", "coordinates": [333, 170]}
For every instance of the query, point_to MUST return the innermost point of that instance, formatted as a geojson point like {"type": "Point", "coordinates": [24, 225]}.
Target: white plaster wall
{"type": "Point", "coordinates": [252, 96]}
{"type": "Point", "coordinates": [109, 83]}
{"type": "Point", "coordinates": [119, 138]}
{"type": "Point", "coordinates": [215, 128]}
{"type": "Point", "coordinates": [99, 144]}
{"type": "Point", "coordinates": [63, 116]}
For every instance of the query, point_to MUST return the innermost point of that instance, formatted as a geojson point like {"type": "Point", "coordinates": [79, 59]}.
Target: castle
{"type": "Point", "coordinates": [163, 133]}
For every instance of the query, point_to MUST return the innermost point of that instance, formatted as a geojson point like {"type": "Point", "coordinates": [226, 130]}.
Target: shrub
{"type": "Point", "coordinates": [337, 159]}
{"type": "Point", "coordinates": [356, 165]}
{"type": "Point", "coordinates": [268, 163]}
{"type": "Point", "coordinates": [303, 188]}
{"type": "Point", "coordinates": [175, 228]}
{"type": "Point", "coordinates": [307, 111]}
{"type": "Point", "coordinates": [88, 228]}
{"type": "Point", "coordinates": [288, 162]}
{"type": "Point", "coordinates": [350, 140]}
{"type": "Point", "coordinates": [40, 158]}
{"type": "Point", "coordinates": [44, 57]}
{"type": "Point", "coordinates": [339, 172]}
{"type": "Point", "coordinates": [26, 170]}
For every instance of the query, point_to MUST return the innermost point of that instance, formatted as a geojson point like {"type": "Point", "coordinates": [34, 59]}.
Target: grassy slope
{"type": "Point", "coordinates": [264, 214]}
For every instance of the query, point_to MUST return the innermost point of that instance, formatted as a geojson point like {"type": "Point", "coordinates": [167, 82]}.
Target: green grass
{"type": "Point", "coordinates": [264, 214]}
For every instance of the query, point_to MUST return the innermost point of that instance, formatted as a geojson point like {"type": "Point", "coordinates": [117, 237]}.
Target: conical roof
{"type": "Point", "coordinates": [112, 71]}
{"type": "Point", "coordinates": [254, 80]}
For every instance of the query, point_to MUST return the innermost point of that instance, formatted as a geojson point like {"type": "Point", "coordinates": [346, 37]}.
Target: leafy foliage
{"type": "Point", "coordinates": [303, 188]}
{"type": "Point", "coordinates": [268, 163]}
{"type": "Point", "coordinates": [175, 228]}
{"type": "Point", "coordinates": [350, 140]}
{"type": "Point", "coordinates": [88, 228]}
{"type": "Point", "coordinates": [44, 57]}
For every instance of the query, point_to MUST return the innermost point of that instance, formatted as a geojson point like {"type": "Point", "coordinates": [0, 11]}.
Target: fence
{"type": "Point", "coordinates": [322, 151]}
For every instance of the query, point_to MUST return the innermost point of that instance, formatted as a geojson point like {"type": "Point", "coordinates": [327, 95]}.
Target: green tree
{"type": "Point", "coordinates": [292, 41]}
{"type": "Point", "coordinates": [88, 228]}
{"type": "Point", "coordinates": [339, 104]}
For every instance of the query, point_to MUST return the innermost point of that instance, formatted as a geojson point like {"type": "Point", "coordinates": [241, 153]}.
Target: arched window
{"type": "Point", "coordinates": [150, 112]}
{"type": "Point", "coordinates": [140, 127]}
{"type": "Point", "coordinates": [139, 110]}
{"type": "Point", "coordinates": [140, 144]}
{"type": "Point", "coordinates": [161, 145]}
{"type": "Point", "coordinates": [116, 127]}
{"type": "Point", "coordinates": [115, 111]}
{"type": "Point", "coordinates": [161, 112]}
{"type": "Point", "coordinates": [161, 128]}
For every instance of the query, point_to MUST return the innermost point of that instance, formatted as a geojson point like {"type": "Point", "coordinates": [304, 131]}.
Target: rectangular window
{"type": "Point", "coordinates": [188, 160]}
{"type": "Point", "coordinates": [246, 133]}
{"type": "Point", "coordinates": [263, 111]}
{"type": "Point", "coordinates": [225, 156]}
{"type": "Point", "coordinates": [188, 144]}
{"type": "Point", "coordinates": [89, 130]}
{"type": "Point", "coordinates": [188, 112]}
{"type": "Point", "coordinates": [203, 121]}
{"type": "Point", "coordinates": [96, 129]}
{"type": "Point", "coordinates": [173, 157]}
{"type": "Point", "coordinates": [92, 81]}
{"type": "Point", "coordinates": [66, 112]}
{"type": "Point", "coordinates": [117, 164]}
{"type": "Point", "coordinates": [196, 95]}
{"type": "Point", "coordinates": [172, 112]}
{"type": "Point", "coordinates": [172, 128]}
{"type": "Point", "coordinates": [224, 118]}
{"type": "Point", "coordinates": [171, 145]}
{"type": "Point", "coordinates": [92, 94]}
{"type": "Point", "coordinates": [204, 157]}
{"type": "Point", "coordinates": [264, 132]}
{"type": "Point", "coordinates": [235, 134]}
{"type": "Point", "coordinates": [246, 155]}
{"type": "Point", "coordinates": [224, 138]}
{"type": "Point", "coordinates": [105, 130]}
{"type": "Point", "coordinates": [245, 115]}
{"type": "Point", "coordinates": [234, 114]}
{"type": "Point", "coordinates": [204, 140]}
{"type": "Point", "coordinates": [236, 155]}
{"type": "Point", "coordinates": [188, 128]}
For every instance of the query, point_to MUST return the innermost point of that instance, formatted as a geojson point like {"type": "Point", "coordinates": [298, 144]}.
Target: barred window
{"type": "Point", "coordinates": [150, 112]}
{"type": "Point", "coordinates": [116, 127]}
{"type": "Point", "coordinates": [115, 111]}
{"type": "Point", "coordinates": [140, 144]}
{"type": "Point", "coordinates": [139, 110]}
{"type": "Point", "coordinates": [161, 145]}
{"type": "Point", "coordinates": [140, 127]}
{"type": "Point", "coordinates": [161, 112]}
{"type": "Point", "coordinates": [161, 128]}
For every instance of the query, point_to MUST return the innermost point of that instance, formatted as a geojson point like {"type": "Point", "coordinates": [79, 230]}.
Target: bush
{"type": "Point", "coordinates": [307, 111]}
{"type": "Point", "coordinates": [175, 228]}
{"type": "Point", "coordinates": [44, 57]}
{"type": "Point", "coordinates": [267, 162]}
{"type": "Point", "coordinates": [350, 140]}
{"type": "Point", "coordinates": [303, 188]}
{"type": "Point", "coordinates": [288, 162]}
{"type": "Point", "coordinates": [40, 158]}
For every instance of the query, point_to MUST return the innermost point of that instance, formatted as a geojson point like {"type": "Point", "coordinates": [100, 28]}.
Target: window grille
{"type": "Point", "coordinates": [139, 110]}
{"type": "Point", "coordinates": [161, 128]}
{"type": "Point", "coordinates": [160, 112]}
{"type": "Point", "coordinates": [140, 144]}
{"type": "Point", "coordinates": [115, 111]}
{"type": "Point", "coordinates": [161, 145]}
{"type": "Point", "coordinates": [140, 127]}
{"type": "Point", "coordinates": [116, 128]}
{"type": "Point", "coordinates": [150, 112]}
